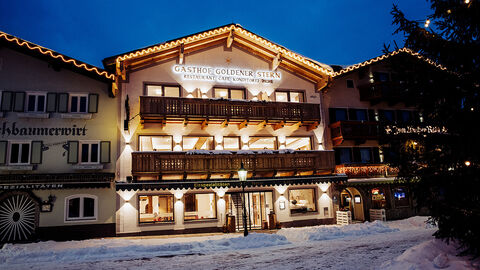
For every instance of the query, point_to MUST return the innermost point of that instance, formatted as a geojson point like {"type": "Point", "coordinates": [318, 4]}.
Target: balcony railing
{"type": "Point", "coordinates": [366, 170]}
{"type": "Point", "coordinates": [379, 91]}
{"type": "Point", "coordinates": [353, 130]}
{"type": "Point", "coordinates": [156, 108]}
{"type": "Point", "coordinates": [181, 162]}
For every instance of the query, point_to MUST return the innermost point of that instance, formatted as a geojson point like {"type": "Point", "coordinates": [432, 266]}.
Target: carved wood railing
{"type": "Point", "coordinates": [353, 130]}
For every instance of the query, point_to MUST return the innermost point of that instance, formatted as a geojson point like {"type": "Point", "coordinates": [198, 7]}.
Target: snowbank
{"type": "Point", "coordinates": [105, 249]}
{"type": "Point", "coordinates": [328, 232]}
{"type": "Point", "coordinates": [432, 254]}
{"type": "Point", "coordinates": [412, 223]}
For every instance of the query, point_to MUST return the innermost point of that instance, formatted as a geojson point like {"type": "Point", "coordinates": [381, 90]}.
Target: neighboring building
{"type": "Point", "coordinates": [362, 100]}
{"type": "Point", "coordinates": [58, 145]}
{"type": "Point", "coordinates": [194, 109]}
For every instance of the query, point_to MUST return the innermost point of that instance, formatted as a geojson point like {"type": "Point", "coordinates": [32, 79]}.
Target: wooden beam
{"type": "Point", "coordinates": [205, 124]}
{"type": "Point", "coordinates": [276, 61]}
{"type": "Point", "coordinates": [230, 39]}
{"type": "Point", "coordinates": [279, 125]}
{"type": "Point", "coordinates": [163, 123]}
{"type": "Point", "coordinates": [296, 125]}
{"type": "Point", "coordinates": [312, 126]}
{"type": "Point", "coordinates": [224, 123]}
{"type": "Point", "coordinates": [262, 125]}
{"type": "Point", "coordinates": [185, 122]}
{"type": "Point", "coordinates": [200, 142]}
{"type": "Point", "coordinates": [180, 58]}
{"type": "Point", "coordinates": [243, 124]}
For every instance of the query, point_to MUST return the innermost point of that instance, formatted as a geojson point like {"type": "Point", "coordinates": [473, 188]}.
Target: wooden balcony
{"type": "Point", "coordinates": [379, 91]}
{"type": "Point", "coordinates": [158, 163]}
{"type": "Point", "coordinates": [156, 109]}
{"type": "Point", "coordinates": [359, 131]}
{"type": "Point", "coordinates": [366, 170]}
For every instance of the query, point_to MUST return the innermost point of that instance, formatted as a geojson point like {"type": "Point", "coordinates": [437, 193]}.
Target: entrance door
{"type": "Point", "coordinates": [258, 205]}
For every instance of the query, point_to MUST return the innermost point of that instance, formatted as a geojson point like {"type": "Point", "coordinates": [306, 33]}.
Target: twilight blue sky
{"type": "Point", "coordinates": [330, 31]}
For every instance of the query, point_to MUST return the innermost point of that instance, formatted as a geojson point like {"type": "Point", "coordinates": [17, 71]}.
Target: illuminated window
{"type": "Point", "coordinates": [302, 200]}
{"type": "Point", "coordinates": [81, 207]}
{"type": "Point", "coordinates": [228, 93]}
{"type": "Point", "coordinates": [197, 143]}
{"type": "Point", "coordinates": [262, 143]}
{"type": "Point", "coordinates": [155, 143]}
{"type": "Point", "coordinates": [162, 91]}
{"type": "Point", "coordinates": [36, 102]}
{"type": "Point", "coordinates": [200, 206]}
{"type": "Point", "coordinates": [401, 197]}
{"type": "Point", "coordinates": [289, 96]}
{"type": "Point", "coordinates": [231, 143]}
{"type": "Point", "coordinates": [379, 198]}
{"type": "Point", "coordinates": [298, 143]}
{"type": "Point", "coordinates": [156, 208]}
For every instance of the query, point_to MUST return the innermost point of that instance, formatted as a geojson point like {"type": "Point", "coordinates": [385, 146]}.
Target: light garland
{"type": "Point", "coordinates": [56, 55]}
{"type": "Point", "coordinates": [385, 56]}
{"type": "Point", "coordinates": [218, 31]}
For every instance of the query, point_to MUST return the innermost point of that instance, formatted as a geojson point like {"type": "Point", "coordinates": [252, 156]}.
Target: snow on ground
{"type": "Point", "coordinates": [373, 245]}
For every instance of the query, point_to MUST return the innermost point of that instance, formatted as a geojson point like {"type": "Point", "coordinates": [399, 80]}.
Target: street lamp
{"type": "Point", "coordinates": [242, 176]}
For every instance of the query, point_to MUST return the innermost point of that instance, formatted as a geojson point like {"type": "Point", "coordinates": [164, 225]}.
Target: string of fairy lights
{"type": "Point", "coordinates": [218, 31]}
{"type": "Point", "coordinates": [56, 55]}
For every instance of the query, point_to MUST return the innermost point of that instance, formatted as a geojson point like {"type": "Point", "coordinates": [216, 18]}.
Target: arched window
{"type": "Point", "coordinates": [81, 207]}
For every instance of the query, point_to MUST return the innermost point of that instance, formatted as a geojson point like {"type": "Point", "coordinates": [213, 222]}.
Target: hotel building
{"type": "Point", "coordinates": [194, 109]}
{"type": "Point", "coordinates": [57, 147]}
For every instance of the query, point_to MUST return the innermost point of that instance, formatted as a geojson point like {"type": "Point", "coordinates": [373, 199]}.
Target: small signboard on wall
{"type": "Point", "coordinates": [357, 199]}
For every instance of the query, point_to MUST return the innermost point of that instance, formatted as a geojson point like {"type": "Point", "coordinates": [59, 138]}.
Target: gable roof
{"type": "Point", "coordinates": [386, 56]}
{"type": "Point", "coordinates": [47, 54]}
{"type": "Point", "coordinates": [231, 33]}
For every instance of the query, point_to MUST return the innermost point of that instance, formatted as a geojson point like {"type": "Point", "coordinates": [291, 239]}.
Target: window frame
{"type": "Point", "coordinates": [36, 94]}
{"type": "Point", "coordinates": [29, 142]}
{"type": "Point", "coordinates": [309, 137]}
{"type": "Point", "coordinates": [238, 139]}
{"type": "Point", "coordinates": [196, 204]}
{"type": "Point", "coordinates": [81, 216]}
{"type": "Point", "coordinates": [79, 95]}
{"type": "Point", "coordinates": [396, 201]}
{"type": "Point", "coordinates": [212, 146]}
{"type": "Point", "coordinates": [80, 154]}
{"type": "Point", "coordinates": [163, 85]}
{"type": "Point", "coordinates": [155, 135]}
{"type": "Point", "coordinates": [276, 146]}
{"type": "Point", "coordinates": [229, 90]}
{"type": "Point", "coordinates": [156, 222]}
{"type": "Point", "coordinates": [288, 91]}
{"type": "Point", "coordinates": [347, 84]}
{"type": "Point", "coordinates": [315, 200]}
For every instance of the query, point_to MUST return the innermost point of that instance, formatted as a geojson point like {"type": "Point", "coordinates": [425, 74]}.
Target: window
{"type": "Point", "coordinates": [200, 206]}
{"type": "Point", "coordinates": [162, 91]}
{"type": "Point", "coordinates": [155, 143]}
{"type": "Point", "coordinates": [343, 155]}
{"type": "Point", "coordinates": [229, 93]}
{"type": "Point", "coordinates": [358, 114]}
{"type": "Point", "coordinates": [156, 208]}
{"type": "Point", "coordinates": [401, 197]}
{"type": "Point", "coordinates": [36, 102]}
{"type": "Point", "coordinates": [350, 84]}
{"type": "Point", "coordinates": [381, 76]}
{"type": "Point", "coordinates": [19, 153]}
{"type": "Point", "coordinates": [231, 143]}
{"type": "Point", "coordinates": [404, 116]}
{"type": "Point", "coordinates": [197, 143]}
{"type": "Point", "coordinates": [89, 152]}
{"type": "Point", "coordinates": [365, 155]}
{"type": "Point", "coordinates": [379, 199]}
{"type": "Point", "coordinates": [387, 115]}
{"type": "Point", "coordinates": [298, 143]}
{"type": "Point", "coordinates": [81, 207]}
{"type": "Point", "coordinates": [78, 103]}
{"type": "Point", "coordinates": [338, 114]}
{"type": "Point", "coordinates": [289, 96]}
{"type": "Point", "coordinates": [302, 200]}
{"type": "Point", "coordinates": [262, 143]}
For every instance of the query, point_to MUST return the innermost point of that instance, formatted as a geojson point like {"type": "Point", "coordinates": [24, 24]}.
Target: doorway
{"type": "Point", "coordinates": [258, 204]}
{"type": "Point", "coordinates": [351, 200]}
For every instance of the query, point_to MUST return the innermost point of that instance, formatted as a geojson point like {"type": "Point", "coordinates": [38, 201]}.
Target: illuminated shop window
{"type": "Point", "coordinates": [262, 143]}
{"type": "Point", "coordinates": [289, 96]}
{"type": "Point", "coordinates": [302, 200]}
{"type": "Point", "coordinates": [81, 207]}
{"type": "Point", "coordinates": [379, 198]}
{"type": "Point", "coordinates": [401, 197]}
{"type": "Point", "coordinates": [298, 143]}
{"type": "Point", "coordinates": [228, 93]}
{"type": "Point", "coordinates": [163, 91]}
{"type": "Point", "coordinates": [200, 206]}
{"type": "Point", "coordinates": [231, 143]}
{"type": "Point", "coordinates": [197, 143]}
{"type": "Point", "coordinates": [156, 208]}
{"type": "Point", "coordinates": [36, 102]}
{"type": "Point", "coordinates": [155, 143]}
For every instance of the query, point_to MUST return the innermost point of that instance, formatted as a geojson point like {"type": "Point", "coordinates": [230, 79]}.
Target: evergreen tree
{"type": "Point", "coordinates": [443, 167]}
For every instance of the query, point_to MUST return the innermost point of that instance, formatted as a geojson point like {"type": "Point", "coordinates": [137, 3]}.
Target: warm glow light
{"type": "Point", "coordinates": [177, 147]}
{"type": "Point", "coordinates": [178, 194]}
{"type": "Point", "coordinates": [467, 1]}
{"type": "Point", "coordinates": [177, 138]}
{"type": "Point", "coordinates": [189, 96]}
{"type": "Point", "coordinates": [467, 163]}
{"type": "Point", "coordinates": [324, 186]}
{"type": "Point", "coordinates": [126, 195]}
{"type": "Point", "coordinates": [427, 23]}
{"type": "Point", "coordinates": [281, 189]}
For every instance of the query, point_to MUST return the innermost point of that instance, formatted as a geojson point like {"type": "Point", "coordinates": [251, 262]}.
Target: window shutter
{"type": "Point", "coordinates": [6, 101]}
{"type": "Point", "coordinates": [72, 152]}
{"type": "Point", "coordinates": [63, 102]}
{"type": "Point", "coordinates": [3, 152]}
{"type": "Point", "coordinates": [92, 103]}
{"type": "Point", "coordinates": [36, 155]}
{"type": "Point", "coordinates": [331, 114]}
{"type": "Point", "coordinates": [51, 102]}
{"type": "Point", "coordinates": [19, 102]}
{"type": "Point", "coordinates": [105, 152]}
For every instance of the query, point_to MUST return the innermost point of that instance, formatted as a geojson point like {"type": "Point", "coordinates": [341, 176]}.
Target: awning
{"type": "Point", "coordinates": [371, 181]}
{"type": "Point", "coordinates": [230, 183]}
